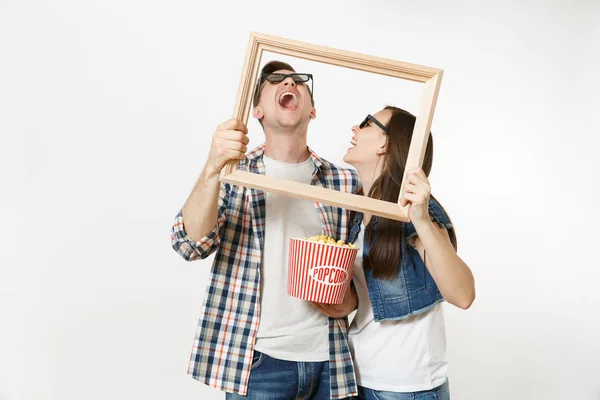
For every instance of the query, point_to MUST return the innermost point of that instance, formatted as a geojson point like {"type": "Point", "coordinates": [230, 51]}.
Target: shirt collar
{"type": "Point", "coordinates": [259, 152]}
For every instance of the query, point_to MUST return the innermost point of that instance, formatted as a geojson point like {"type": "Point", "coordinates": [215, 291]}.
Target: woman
{"type": "Point", "coordinates": [404, 272]}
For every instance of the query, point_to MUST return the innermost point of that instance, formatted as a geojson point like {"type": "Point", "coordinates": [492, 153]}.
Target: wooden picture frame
{"type": "Point", "coordinates": [431, 77]}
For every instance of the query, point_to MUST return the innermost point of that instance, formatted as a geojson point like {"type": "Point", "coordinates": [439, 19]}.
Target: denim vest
{"type": "Point", "coordinates": [413, 291]}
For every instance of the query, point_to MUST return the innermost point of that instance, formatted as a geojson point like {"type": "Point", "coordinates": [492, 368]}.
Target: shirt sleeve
{"type": "Point", "coordinates": [191, 250]}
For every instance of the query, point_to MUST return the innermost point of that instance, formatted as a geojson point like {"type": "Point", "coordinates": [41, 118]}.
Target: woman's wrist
{"type": "Point", "coordinates": [423, 224]}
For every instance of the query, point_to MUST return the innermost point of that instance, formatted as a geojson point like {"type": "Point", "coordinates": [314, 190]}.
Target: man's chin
{"type": "Point", "coordinates": [291, 122]}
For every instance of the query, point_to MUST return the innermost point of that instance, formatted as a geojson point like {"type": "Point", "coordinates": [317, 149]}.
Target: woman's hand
{"type": "Point", "coordinates": [349, 304]}
{"type": "Point", "coordinates": [452, 276]}
{"type": "Point", "coordinates": [416, 193]}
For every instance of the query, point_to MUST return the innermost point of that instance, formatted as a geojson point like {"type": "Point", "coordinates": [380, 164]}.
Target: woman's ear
{"type": "Point", "coordinates": [313, 113]}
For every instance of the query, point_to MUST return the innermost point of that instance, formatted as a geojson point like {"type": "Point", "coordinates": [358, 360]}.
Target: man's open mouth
{"type": "Point", "coordinates": [288, 100]}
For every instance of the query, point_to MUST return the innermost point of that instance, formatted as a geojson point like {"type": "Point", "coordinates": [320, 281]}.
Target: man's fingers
{"type": "Point", "coordinates": [227, 154]}
{"type": "Point", "coordinates": [328, 309]}
{"type": "Point", "coordinates": [232, 145]}
{"type": "Point", "coordinates": [233, 124]}
{"type": "Point", "coordinates": [319, 307]}
{"type": "Point", "coordinates": [236, 136]}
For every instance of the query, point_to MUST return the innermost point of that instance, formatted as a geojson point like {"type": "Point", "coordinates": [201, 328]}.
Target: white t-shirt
{"type": "Point", "coordinates": [289, 329]}
{"type": "Point", "coordinates": [396, 356]}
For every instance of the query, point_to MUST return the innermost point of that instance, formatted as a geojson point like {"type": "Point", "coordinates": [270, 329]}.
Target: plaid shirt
{"type": "Point", "coordinates": [224, 341]}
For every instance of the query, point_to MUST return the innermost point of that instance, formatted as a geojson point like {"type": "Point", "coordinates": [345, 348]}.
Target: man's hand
{"type": "Point", "coordinates": [349, 304]}
{"type": "Point", "coordinates": [228, 143]}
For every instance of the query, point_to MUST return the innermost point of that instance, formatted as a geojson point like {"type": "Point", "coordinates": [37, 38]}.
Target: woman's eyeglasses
{"type": "Point", "coordinates": [374, 120]}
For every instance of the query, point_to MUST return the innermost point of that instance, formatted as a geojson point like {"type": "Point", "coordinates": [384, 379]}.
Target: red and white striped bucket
{"type": "Point", "coordinates": [319, 272]}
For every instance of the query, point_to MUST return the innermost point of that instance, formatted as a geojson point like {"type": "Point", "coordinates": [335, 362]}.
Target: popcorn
{"type": "Point", "coordinates": [329, 240]}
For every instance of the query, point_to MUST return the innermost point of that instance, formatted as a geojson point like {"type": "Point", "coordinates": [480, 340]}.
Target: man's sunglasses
{"type": "Point", "coordinates": [277, 77]}
{"type": "Point", "coordinates": [372, 119]}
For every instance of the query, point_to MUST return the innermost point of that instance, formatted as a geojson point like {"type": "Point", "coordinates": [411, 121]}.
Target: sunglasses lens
{"type": "Point", "coordinates": [298, 78]}
{"type": "Point", "coordinates": [275, 78]}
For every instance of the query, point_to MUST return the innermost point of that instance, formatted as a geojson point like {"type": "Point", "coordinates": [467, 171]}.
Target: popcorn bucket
{"type": "Point", "coordinates": [319, 272]}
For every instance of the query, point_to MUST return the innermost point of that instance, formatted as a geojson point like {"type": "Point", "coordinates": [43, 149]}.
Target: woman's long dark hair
{"type": "Point", "coordinates": [385, 253]}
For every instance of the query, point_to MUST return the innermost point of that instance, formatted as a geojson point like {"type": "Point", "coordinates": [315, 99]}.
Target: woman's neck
{"type": "Point", "coordinates": [368, 175]}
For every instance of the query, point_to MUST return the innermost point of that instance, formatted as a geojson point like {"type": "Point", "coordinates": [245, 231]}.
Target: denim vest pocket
{"type": "Point", "coordinates": [389, 297]}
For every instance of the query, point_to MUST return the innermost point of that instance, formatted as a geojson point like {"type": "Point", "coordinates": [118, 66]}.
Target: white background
{"type": "Point", "coordinates": [106, 112]}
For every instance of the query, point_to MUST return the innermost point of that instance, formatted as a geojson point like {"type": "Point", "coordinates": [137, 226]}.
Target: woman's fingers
{"type": "Point", "coordinates": [416, 193]}
{"type": "Point", "coordinates": [419, 181]}
{"type": "Point", "coordinates": [419, 193]}
{"type": "Point", "coordinates": [420, 173]}
{"type": "Point", "coordinates": [411, 188]}
{"type": "Point", "coordinates": [413, 198]}
{"type": "Point", "coordinates": [404, 201]}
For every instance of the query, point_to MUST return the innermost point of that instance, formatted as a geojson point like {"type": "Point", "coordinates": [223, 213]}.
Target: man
{"type": "Point", "coordinates": [253, 339]}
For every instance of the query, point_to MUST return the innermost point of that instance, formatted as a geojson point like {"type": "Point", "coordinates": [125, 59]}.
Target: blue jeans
{"type": "Point", "coordinates": [441, 392]}
{"type": "Point", "coordinates": [273, 379]}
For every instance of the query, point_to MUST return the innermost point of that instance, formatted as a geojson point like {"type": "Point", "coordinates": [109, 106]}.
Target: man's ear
{"type": "Point", "coordinates": [313, 113]}
{"type": "Point", "coordinates": [257, 113]}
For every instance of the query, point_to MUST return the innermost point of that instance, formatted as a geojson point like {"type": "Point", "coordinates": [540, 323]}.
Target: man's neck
{"type": "Point", "coordinates": [286, 147]}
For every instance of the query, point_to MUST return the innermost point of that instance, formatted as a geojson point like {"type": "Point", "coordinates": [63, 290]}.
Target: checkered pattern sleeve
{"type": "Point", "coordinates": [191, 250]}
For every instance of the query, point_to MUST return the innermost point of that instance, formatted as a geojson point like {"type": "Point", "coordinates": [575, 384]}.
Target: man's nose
{"type": "Point", "coordinates": [289, 81]}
